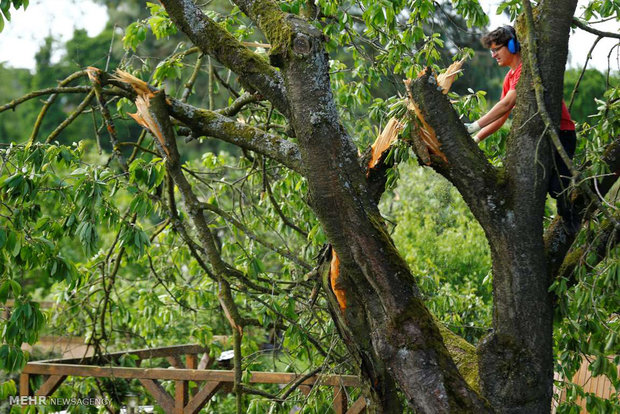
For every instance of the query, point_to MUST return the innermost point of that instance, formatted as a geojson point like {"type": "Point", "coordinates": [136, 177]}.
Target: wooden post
{"type": "Point", "coordinates": [340, 400]}
{"type": "Point", "coordinates": [24, 385]}
{"type": "Point", "coordinates": [180, 396]}
{"type": "Point", "coordinates": [191, 361]}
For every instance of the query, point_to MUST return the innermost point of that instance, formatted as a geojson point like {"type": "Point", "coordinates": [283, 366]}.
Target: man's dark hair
{"type": "Point", "coordinates": [499, 36]}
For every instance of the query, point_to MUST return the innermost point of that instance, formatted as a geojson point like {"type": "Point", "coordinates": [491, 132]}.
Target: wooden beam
{"type": "Point", "coordinates": [24, 385]}
{"type": "Point", "coordinates": [340, 400]}
{"type": "Point", "coordinates": [184, 374]}
{"type": "Point", "coordinates": [180, 396]}
{"type": "Point", "coordinates": [140, 353]}
{"type": "Point", "coordinates": [50, 385]}
{"type": "Point", "coordinates": [202, 397]}
{"type": "Point", "coordinates": [358, 407]}
{"type": "Point", "coordinates": [161, 396]}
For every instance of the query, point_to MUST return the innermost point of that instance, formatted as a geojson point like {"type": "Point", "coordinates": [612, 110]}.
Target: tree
{"type": "Point", "coordinates": [372, 295]}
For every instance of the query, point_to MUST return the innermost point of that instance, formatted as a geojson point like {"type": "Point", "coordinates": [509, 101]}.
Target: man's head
{"type": "Point", "coordinates": [503, 44]}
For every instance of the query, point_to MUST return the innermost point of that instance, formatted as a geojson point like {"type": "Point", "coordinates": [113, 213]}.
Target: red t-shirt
{"type": "Point", "coordinates": [510, 82]}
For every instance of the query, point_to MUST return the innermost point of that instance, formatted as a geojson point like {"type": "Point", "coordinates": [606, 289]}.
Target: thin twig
{"type": "Point", "coordinates": [50, 101]}
{"type": "Point", "coordinates": [583, 71]}
{"type": "Point", "coordinates": [189, 85]}
{"type": "Point", "coordinates": [69, 119]}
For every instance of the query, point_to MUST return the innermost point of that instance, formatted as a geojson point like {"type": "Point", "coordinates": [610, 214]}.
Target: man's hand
{"type": "Point", "coordinates": [473, 127]}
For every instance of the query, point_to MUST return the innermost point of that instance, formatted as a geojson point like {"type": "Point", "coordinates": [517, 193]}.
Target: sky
{"type": "Point", "coordinates": [24, 34]}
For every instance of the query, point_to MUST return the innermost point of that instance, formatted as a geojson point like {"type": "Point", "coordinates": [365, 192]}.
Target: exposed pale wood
{"type": "Point", "coordinates": [50, 385]}
{"type": "Point", "coordinates": [180, 396]}
{"type": "Point", "coordinates": [340, 400]}
{"type": "Point", "coordinates": [157, 391]}
{"type": "Point", "coordinates": [183, 374]}
{"type": "Point", "coordinates": [24, 385]}
{"type": "Point", "coordinates": [358, 407]}
{"type": "Point", "coordinates": [202, 397]}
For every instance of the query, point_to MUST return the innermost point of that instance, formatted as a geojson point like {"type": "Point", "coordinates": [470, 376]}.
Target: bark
{"type": "Point", "coordinates": [516, 365]}
{"type": "Point", "coordinates": [380, 291]}
{"type": "Point", "coordinates": [254, 72]}
{"type": "Point", "coordinates": [384, 322]}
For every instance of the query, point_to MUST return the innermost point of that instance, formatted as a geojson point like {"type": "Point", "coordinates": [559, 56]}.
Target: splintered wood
{"type": "Point", "coordinates": [334, 274]}
{"type": "Point", "coordinates": [422, 134]}
{"type": "Point", "coordinates": [142, 116]}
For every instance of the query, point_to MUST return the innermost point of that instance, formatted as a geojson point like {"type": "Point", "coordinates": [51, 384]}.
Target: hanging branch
{"type": "Point", "coordinates": [95, 76]}
{"type": "Point", "coordinates": [251, 235]}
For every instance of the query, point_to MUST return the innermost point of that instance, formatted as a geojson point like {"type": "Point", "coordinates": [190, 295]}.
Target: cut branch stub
{"type": "Point", "coordinates": [422, 134]}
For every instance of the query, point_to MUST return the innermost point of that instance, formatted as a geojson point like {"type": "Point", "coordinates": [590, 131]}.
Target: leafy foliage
{"type": "Point", "coordinates": [115, 249]}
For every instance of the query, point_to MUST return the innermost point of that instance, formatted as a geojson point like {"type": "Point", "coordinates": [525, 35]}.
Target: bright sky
{"type": "Point", "coordinates": [24, 34]}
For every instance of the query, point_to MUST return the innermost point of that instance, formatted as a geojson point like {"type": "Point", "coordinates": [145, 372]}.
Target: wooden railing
{"type": "Point", "coordinates": [181, 372]}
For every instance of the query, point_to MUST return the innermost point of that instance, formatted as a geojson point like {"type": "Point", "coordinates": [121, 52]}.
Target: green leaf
{"type": "Point", "coordinates": [16, 288]}
{"type": "Point", "coordinates": [4, 291]}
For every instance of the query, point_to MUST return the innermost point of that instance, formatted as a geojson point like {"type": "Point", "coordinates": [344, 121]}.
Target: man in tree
{"type": "Point", "coordinates": [506, 50]}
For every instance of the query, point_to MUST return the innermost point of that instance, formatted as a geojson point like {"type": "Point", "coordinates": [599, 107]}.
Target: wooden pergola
{"type": "Point", "coordinates": [184, 367]}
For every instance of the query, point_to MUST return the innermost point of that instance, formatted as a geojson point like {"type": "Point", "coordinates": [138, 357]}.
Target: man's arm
{"type": "Point", "coordinates": [499, 112]}
{"type": "Point", "coordinates": [491, 128]}
{"type": "Point", "coordinates": [503, 107]}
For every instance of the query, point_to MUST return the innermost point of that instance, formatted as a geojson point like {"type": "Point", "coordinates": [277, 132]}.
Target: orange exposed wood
{"type": "Point", "coordinates": [423, 135]}
{"type": "Point", "coordinates": [143, 117]}
{"type": "Point", "coordinates": [334, 274]}
{"type": "Point", "coordinates": [445, 79]}
{"type": "Point", "coordinates": [384, 140]}
{"type": "Point", "coordinates": [139, 86]}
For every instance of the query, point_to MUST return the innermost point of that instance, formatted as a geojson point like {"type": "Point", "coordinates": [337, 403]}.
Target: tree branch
{"type": "Point", "coordinates": [599, 33]}
{"type": "Point", "coordinates": [212, 39]}
{"type": "Point", "coordinates": [559, 236]}
{"type": "Point", "coordinates": [467, 167]}
{"type": "Point", "coordinates": [211, 123]}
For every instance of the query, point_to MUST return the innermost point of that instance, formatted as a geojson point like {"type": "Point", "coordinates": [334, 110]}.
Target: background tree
{"type": "Point", "coordinates": [242, 227]}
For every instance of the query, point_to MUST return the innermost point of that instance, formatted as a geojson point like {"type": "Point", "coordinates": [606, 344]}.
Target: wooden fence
{"type": "Point", "coordinates": [600, 386]}
{"type": "Point", "coordinates": [185, 367]}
